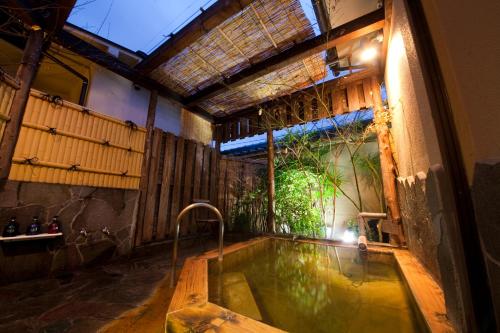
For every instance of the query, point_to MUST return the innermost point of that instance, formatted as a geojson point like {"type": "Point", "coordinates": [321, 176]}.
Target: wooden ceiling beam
{"type": "Point", "coordinates": [359, 27]}
{"type": "Point", "coordinates": [50, 15]}
{"type": "Point", "coordinates": [199, 26]}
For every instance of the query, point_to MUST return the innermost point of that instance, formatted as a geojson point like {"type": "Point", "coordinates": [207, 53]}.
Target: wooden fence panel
{"type": "Point", "coordinates": [182, 170]}
{"type": "Point", "coordinates": [151, 198]}
{"type": "Point", "coordinates": [64, 143]}
{"type": "Point", "coordinates": [176, 193]}
{"type": "Point", "coordinates": [166, 187]}
{"type": "Point", "coordinates": [188, 183]}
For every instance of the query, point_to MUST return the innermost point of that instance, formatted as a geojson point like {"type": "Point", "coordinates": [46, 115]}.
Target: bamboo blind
{"type": "Point", "coordinates": [7, 91]}
{"type": "Point", "coordinates": [64, 143]}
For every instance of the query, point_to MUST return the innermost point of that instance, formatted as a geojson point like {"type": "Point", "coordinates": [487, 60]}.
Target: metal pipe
{"type": "Point", "coordinates": [176, 239]}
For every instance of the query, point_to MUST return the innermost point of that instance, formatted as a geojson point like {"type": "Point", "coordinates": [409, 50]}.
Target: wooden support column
{"type": "Point", "coordinates": [386, 163]}
{"type": "Point", "coordinates": [25, 75]}
{"type": "Point", "coordinates": [271, 225]}
{"type": "Point", "coordinates": [146, 164]}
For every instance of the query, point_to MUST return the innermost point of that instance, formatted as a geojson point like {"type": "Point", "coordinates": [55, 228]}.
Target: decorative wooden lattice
{"type": "Point", "coordinates": [312, 104]}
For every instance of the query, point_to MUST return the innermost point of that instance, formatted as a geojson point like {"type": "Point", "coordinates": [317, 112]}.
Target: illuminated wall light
{"type": "Point", "coordinates": [348, 237]}
{"type": "Point", "coordinates": [368, 54]}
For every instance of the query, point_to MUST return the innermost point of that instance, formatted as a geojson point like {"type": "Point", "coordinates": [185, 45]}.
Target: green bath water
{"type": "Point", "coordinates": [303, 287]}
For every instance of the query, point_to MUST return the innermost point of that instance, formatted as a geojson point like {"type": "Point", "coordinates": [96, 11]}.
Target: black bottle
{"type": "Point", "coordinates": [34, 228]}
{"type": "Point", "coordinates": [11, 229]}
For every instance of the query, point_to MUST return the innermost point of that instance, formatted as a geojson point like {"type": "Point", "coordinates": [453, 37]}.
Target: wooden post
{"type": "Point", "coordinates": [386, 162]}
{"type": "Point", "coordinates": [25, 75]}
{"type": "Point", "coordinates": [271, 226]}
{"type": "Point", "coordinates": [146, 163]}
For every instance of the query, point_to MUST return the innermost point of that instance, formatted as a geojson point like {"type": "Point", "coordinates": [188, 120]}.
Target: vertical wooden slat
{"type": "Point", "coordinates": [222, 185]}
{"type": "Point", "coordinates": [214, 166]}
{"type": "Point", "coordinates": [198, 167]}
{"type": "Point", "coordinates": [361, 95]}
{"type": "Point", "coordinates": [307, 109]}
{"type": "Point", "coordinates": [252, 125]}
{"type": "Point", "coordinates": [270, 182]}
{"type": "Point", "coordinates": [234, 130]}
{"type": "Point", "coordinates": [147, 228]}
{"type": "Point", "coordinates": [352, 97]}
{"type": "Point", "coordinates": [205, 176]}
{"type": "Point", "coordinates": [176, 192]}
{"type": "Point", "coordinates": [338, 106]}
{"type": "Point", "coordinates": [367, 92]}
{"type": "Point", "coordinates": [243, 127]}
{"type": "Point", "coordinates": [166, 182]}
{"type": "Point", "coordinates": [187, 196]}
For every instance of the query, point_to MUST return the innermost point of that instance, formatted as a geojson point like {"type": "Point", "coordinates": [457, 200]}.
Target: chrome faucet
{"type": "Point", "coordinates": [176, 239]}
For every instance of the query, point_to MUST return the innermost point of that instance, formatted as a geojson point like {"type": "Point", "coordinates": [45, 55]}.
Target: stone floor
{"type": "Point", "coordinates": [128, 295]}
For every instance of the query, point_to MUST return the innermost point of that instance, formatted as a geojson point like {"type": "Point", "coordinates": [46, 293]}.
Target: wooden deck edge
{"type": "Point", "coordinates": [427, 293]}
{"type": "Point", "coordinates": [213, 318]}
{"type": "Point", "coordinates": [192, 286]}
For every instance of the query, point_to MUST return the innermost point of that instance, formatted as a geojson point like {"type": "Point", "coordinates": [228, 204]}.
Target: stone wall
{"type": "Point", "coordinates": [77, 207]}
{"type": "Point", "coordinates": [430, 227]}
{"type": "Point", "coordinates": [486, 196]}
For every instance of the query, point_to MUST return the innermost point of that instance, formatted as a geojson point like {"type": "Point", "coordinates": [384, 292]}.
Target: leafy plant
{"type": "Point", "coordinates": [296, 210]}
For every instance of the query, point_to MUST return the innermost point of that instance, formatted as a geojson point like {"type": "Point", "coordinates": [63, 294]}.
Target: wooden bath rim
{"type": "Point", "coordinates": [190, 306]}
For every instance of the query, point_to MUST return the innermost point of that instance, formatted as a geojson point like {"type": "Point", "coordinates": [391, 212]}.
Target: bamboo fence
{"type": "Point", "coordinates": [7, 90]}
{"type": "Point", "coordinates": [64, 143]}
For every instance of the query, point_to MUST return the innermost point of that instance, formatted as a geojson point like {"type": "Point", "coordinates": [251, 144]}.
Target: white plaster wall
{"type": "Point", "coordinates": [114, 95]}
{"type": "Point", "coordinates": [168, 116]}
{"type": "Point", "coordinates": [465, 35]}
{"type": "Point", "coordinates": [413, 130]}
{"type": "Point", "coordinates": [345, 210]}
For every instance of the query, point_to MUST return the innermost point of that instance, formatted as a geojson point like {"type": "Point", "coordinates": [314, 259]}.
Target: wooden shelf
{"type": "Point", "coordinates": [29, 237]}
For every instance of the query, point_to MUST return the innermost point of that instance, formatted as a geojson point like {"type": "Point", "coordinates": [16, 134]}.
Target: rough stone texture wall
{"type": "Point", "coordinates": [421, 235]}
{"type": "Point", "coordinates": [486, 196]}
{"type": "Point", "coordinates": [77, 207]}
{"type": "Point", "coordinates": [429, 226]}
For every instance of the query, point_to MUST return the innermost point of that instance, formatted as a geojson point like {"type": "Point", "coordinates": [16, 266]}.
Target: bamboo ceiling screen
{"type": "Point", "coordinates": [64, 143]}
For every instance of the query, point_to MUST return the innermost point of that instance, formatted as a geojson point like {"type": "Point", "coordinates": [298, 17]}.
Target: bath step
{"type": "Point", "coordinates": [237, 295]}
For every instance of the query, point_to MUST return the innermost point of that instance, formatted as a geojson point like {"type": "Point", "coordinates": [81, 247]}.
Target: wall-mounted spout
{"type": "Point", "coordinates": [84, 232]}
{"type": "Point", "coordinates": [176, 239]}
{"type": "Point", "coordinates": [105, 230]}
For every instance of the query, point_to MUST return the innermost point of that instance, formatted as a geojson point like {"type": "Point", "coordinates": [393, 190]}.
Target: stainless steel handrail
{"type": "Point", "coordinates": [176, 239]}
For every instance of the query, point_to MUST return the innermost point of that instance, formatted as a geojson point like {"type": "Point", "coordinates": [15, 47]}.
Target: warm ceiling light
{"type": "Point", "coordinates": [368, 54]}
